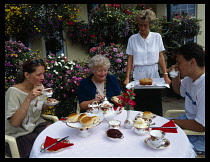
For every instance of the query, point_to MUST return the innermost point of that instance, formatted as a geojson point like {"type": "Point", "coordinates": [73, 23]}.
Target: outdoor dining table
{"type": "Point", "coordinates": [97, 145]}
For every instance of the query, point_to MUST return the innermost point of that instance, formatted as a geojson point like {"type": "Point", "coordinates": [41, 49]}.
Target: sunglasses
{"type": "Point", "coordinates": [37, 61]}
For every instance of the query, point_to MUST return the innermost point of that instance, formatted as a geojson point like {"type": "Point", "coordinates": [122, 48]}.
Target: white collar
{"type": "Point", "coordinates": [147, 39]}
{"type": "Point", "coordinates": [199, 79]}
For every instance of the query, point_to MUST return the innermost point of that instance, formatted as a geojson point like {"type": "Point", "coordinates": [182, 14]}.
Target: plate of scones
{"type": "Point", "coordinates": [147, 83]}
{"type": "Point", "coordinates": [83, 120]}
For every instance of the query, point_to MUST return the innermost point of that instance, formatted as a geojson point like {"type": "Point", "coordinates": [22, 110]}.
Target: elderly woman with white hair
{"type": "Point", "coordinates": [99, 84]}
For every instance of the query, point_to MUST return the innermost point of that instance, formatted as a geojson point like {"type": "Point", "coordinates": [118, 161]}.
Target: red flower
{"type": "Point", "coordinates": [114, 5]}
{"type": "Point", "coordinates": [92, 36]}
{"type": "Point", "coordinates": [71, 23]}
{"type": "Point", "coordinates": [83, 30]}
{"type": "Point", "coordinates": [132, 103]}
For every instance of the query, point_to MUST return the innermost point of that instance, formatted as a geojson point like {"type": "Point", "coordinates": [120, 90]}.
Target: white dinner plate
{"type": "Point", "coordinates": [52, 104]}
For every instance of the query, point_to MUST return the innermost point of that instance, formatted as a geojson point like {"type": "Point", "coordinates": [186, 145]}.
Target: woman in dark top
{"type": "Point", "coordinates": [99, 84]}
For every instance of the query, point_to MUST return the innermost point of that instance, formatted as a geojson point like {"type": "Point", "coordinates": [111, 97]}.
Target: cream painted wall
{"type": "Point", "coordinates": [201, 15]}
{"type": "Point", "coordinates": [77, 51]}
{"type": "Point", "coordinates": [38, 44]}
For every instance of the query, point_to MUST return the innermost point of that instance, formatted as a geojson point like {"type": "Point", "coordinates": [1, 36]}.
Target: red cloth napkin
{"type": "Point", "coordinates": [49, 141]}
{"type": "Point", "coordinates": [168, 130]}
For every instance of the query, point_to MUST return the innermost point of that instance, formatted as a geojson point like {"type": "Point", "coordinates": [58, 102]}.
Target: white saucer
{"type": "Point", "coordinates": [166, 143]}
{"type": "Point", "coordinates": [52, 104]}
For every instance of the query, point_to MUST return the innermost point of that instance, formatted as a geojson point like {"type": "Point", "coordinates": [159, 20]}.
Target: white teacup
{"type": "Point", "coordinates": [48, 92]}
{"type": "Point", "coordinates": [157, 137]}
{"type": "Point", "coordinates": [174, 73]}
{"type": "Point", "coordinates": [114, 124]}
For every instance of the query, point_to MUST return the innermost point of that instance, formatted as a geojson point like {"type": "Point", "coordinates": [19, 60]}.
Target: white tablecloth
{"type": "Point", "coordinates": [98, 145]}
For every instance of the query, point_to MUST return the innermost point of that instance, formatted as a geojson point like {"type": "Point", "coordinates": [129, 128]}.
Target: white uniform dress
{"type": "Point", "coordinates": [145, 54]}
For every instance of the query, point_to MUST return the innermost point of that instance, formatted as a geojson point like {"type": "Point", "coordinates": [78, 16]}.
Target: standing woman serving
{"type": "Point", "coordinates": [145, 53]}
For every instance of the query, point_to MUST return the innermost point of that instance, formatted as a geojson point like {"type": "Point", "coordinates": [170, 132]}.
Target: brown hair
{"type": "Point", "coordinates": [30, 67]}
{"type": "Point", "coordinates": [146, 15]}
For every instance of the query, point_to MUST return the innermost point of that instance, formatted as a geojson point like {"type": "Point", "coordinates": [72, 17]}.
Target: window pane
{"type": "Point", "coordinates": [191, 6]}
{"type": "Point", "coordinates": [183, 6]}
{"type": "Point", "coordinates": [191, 12]}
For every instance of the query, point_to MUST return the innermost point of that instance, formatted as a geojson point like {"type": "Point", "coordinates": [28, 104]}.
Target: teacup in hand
{"type": "Point", "coordinates": [173, 73]}
{"type": "Point", "coordinates": [157, 137]}
{"type": "Point", "coordinates": [114, 124]}
{"type": "Point", "coordinates": [48, 92]}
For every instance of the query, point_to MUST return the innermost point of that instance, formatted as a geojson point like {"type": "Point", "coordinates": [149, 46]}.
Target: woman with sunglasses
{"type": "Point", "coordinates": [24, 103]}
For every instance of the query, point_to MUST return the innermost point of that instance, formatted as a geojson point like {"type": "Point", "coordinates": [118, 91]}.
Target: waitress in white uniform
{"type": "Point", "coordinates": [145, 52]}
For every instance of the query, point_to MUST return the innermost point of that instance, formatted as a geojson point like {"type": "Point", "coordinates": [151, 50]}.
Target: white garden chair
{"type": "Point", "coordinates": [12, 141]}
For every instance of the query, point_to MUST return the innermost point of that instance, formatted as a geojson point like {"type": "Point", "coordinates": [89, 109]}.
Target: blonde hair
{"type": "Point", "coordinates": [98, 61]}
{"type": "Point", "coordinates": [146, 15]}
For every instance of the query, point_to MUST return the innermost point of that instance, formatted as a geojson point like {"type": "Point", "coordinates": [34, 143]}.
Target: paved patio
{"type": "Point", "coordinates": [172, 103]}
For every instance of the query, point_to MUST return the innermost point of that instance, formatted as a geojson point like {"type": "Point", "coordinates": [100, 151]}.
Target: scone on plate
{"type": "Point", "coordinates": [146, 81]}
{"type": "Point", "coordinates": [95, 119]}
{"type": "Point", "coordinates": [81, 116]}
{"type": "Point", "coordinates": [72, 118]}
{"type": "Point", "coordinates": [147, 114]}
{"type": "Point", "coordinates": [89, 121]}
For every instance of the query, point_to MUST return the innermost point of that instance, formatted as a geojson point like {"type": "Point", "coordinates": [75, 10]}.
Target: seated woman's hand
{"type": "Point", "coordinates": [35, 93]}
{"type": "Point", "coordinates": [99, 97]}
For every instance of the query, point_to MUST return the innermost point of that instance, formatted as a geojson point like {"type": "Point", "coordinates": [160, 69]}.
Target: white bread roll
{"type": "Point", "coordinates": [81, 116]}
{"type": "Point", "coordinates": [72, 118]}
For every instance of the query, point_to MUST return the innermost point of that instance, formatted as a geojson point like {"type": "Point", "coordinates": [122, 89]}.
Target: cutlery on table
{"type": "Point", "coordinates": [44, 149]}
{"type": "Point", "coordinates": [166, 127]}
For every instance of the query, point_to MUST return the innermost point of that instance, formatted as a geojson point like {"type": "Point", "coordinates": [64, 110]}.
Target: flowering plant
{"type": "Point", "coordinates": [15, 54]}
{"type": "Point", "coordinates": [64, 76]}
{"type": "Point", "coordinates": [126, 99]}
{"type": "Point", "coordinates": [116, 24]}
{"type": "Point", "coordinates": [33, 21]}
{"type": "Point", "coordinates": [181, 27]}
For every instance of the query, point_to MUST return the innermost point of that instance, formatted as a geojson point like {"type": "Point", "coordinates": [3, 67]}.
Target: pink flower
{"type": "Point", "coordinates": [74, 77]}
{"type": "Point", "coordinates": [115, 50]}
{"type": "Point", "coordinates": [93, 49]}
{"type": "Point", "coordinates": [118, 60]}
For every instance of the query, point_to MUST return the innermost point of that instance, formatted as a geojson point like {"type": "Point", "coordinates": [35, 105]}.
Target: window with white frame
{"type": "Point", "coordinates": [188, 8]}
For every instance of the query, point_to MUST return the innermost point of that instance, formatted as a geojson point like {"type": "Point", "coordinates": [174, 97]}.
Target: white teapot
{"type": "Point", "coordinates": [104, 110]}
